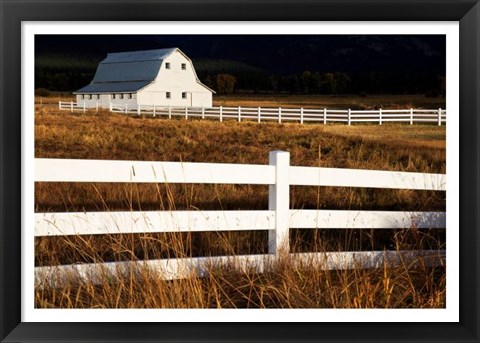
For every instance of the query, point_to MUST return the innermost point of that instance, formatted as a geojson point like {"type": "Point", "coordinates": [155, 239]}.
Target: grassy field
{"type": "Point", "coordinates": [418, 148]}
{"type": "Point", "coordinates": [332, 101]}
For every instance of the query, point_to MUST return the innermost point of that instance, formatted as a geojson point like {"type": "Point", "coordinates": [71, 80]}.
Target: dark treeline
{"type": "Point", "coordinates": [232, 80]}
{"type": "Point", "coordinates": [334, 83]}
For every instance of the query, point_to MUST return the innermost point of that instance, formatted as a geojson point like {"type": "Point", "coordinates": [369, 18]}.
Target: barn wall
{"type": "Point", "coordinates": [202, 99]}
{"type": "Point", "coordinates": [105, 100]}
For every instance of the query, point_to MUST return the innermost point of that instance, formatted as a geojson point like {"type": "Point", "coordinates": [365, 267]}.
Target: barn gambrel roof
{"type": "Point", "coordinates": [128, 71]}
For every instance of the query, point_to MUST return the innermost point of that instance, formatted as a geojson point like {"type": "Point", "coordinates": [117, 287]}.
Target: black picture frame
{"type": "Point", "coordinates": [13, 12]}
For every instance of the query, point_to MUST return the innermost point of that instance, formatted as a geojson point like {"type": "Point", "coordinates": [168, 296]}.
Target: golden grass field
{"type": "Point", "coordinates": [418, 148]}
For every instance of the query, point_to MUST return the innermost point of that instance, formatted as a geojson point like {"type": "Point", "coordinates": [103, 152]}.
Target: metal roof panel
{"type": "Point", "coordinates": [127, 71]}
{"type": "Point", "coordinates": [138, 56]}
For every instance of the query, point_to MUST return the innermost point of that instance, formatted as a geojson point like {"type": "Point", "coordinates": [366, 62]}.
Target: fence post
{"type": "Point", "coordinates": [301, 115]}
{"type": "Point", "coordinates": [96, 107]}
{"type": "Point", "coordinates": [439, 117]}
{"type": "Point", "coordinates": [186, 112]}
{"type": "Point", "coordinates": [110, 106]}
{"type": "Point", "coordinates": [411, 116]}
{"type": "Point", "coordinates": [221, 115]}
{"type": "Point", "coordinates": [203, 112]}
{"type": "Point", "coordinates": [279, 114]}
{"type": "Point", "coordinates": [349, 115]}
{"type": "Point", "coordinates": [154, 113]}
{"type": "Point", "coordinates": [126, 108]}
{"type": "Point", "coordinates": [380, 116]}
{"type": "Point", "coordinates": [71, 106]}
{"type": "Point", "coordinates": [278, 201]}
{"type": "Point", "coordinates": [138, 110]}
{"type": "Point", "coordinates": [324, 116]}
{"type": "Point", "coordinates": [84, 107]}
{"type": "Point", "coordinates": [59, 105]}
{"type": "Point", "coordinates": [239, 114]}
{"type": "Point", "coordinates": [259, 115]}
{"type": "Point", "coordinates": [169, 111]}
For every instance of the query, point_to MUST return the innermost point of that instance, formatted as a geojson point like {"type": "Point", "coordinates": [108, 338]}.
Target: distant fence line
{"type": "Point", "coordinates": [277, 220]}
{"type": "Point", "coordinates": [277, 114]}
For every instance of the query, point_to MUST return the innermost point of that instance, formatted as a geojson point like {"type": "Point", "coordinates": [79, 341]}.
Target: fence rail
{"type": "Point", "coordinates": [277, 114]}
{"type": "Point", "coordinates": [277, 220]}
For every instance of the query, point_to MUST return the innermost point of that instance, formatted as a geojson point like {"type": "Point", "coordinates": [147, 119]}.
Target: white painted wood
{"type": "Point", "coordinates": [370, 259]}
{"type": "Point", "coordinates": [96, 223]}
{"type": "Point", "coordinates": [170, 269]}
{"type": "Point", "coordinates": [99, 223]}
{"type": "Point", "coordinates": [314, 176]}
{"type": "Point", "coordinates": [68, 170]}
{"type": "Point", "coordinates": [342, 219]}
{"type": "Point", "coordinates": [285, 114]}
{"type": "Point", "coordinates": [279, 201]}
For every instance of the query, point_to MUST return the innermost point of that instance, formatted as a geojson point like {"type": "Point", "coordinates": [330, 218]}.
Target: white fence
{"type": "Point", "coordinates": [278, 219]}
{"type": "Point", "coordinates": [277, 114]}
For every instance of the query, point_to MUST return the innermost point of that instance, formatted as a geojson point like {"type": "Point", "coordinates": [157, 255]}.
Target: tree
{"type": "Point", "coordinates": [225, 83]}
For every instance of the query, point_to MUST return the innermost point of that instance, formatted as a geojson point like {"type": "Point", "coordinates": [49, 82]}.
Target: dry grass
{"type": "Point", "coordinates": [332, 102]}
{"type": "Point", "coordinates": [419, 148]}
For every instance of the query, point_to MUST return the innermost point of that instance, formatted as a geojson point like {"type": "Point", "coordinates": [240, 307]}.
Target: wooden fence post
{"type": "Point", "coordinates": [169, 112]}
{"type": "Point", "coordinates": [126, 108]}
{"type": "Point", "coordinates": [221, 115]}
{"type": "Point", "coordinates": [110, 106]}
{"type": "Point", "coordinates": [349, 115]}
{"type": "Point", "coordinates": [84, 107]}
{"type": "Point", "coordinates": [59, 105]}
{"type": "Point", "coordinates": [154, 113]}
{"type": "Point", "coordinates": [278, 201]}
{"type": "Point", "coordinates": [239, 114]}
{"type": "Point", "coordinates": [439, 117]}
{"type": "Point", "coordinates": [411, 116]}
{"type": "Point", "coordinates": [186, 112]}
{"type": "Point", "coordinates": [203, 112]}
{"type": "Point", "coordinates": [324, 116]}
{"type": "Point", "coordinates": [380, 116]}
{"type": "Point", "coordinates": [71, 106]}
{"type": "Point", "coordinates": [259, 115]}
{"type": "Point", "coordinates": [138, 110]}
{"type": "Point", "coordinates": [301, 115]}
{"type": "Point", "coordinates": [279, 115]}
{"type": "Point", "coordinates": [96, 107]}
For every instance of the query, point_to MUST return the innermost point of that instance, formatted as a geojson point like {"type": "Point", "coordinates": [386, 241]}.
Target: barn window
{"type": "Point", "coordinates": [121, 96]}
{"type": "Point", "coordinates": [129, 95]}
{"type": "Point", "coordinates": [89, 96]}
{"type": "Point", "coordinates": [184, 66]}
{"type": "Point", "coordinates": [168, 95]}
{"type": "Point", "coordinates": [167, 65]}
{"type": "Point", "coordinates": [82, 96]}
{"type": "Point", "coordinates": [184, 95]}
{"type": "Point", "coordinates": [97, 96]}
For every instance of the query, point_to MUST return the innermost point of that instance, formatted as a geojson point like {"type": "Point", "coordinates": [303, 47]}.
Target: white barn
{"type": "Point", "coordinates": [162, 77]}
